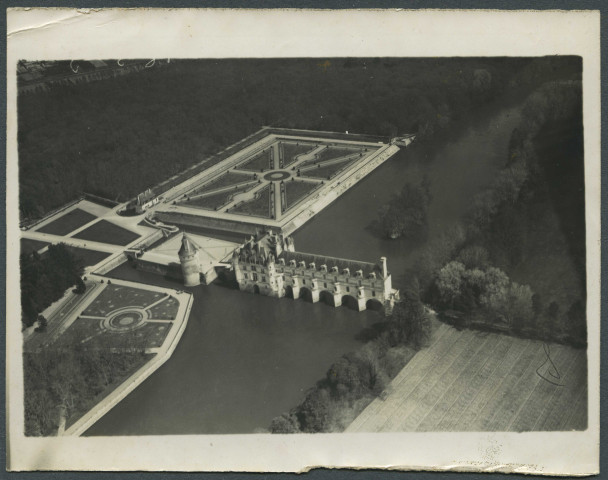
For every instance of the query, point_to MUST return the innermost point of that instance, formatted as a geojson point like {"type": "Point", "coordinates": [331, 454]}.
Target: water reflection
{"type": "Point", "coordinates": [244, 358]}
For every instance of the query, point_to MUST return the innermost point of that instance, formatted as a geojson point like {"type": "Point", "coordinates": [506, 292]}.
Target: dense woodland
{"type": "Point", "coordinates": [117, 137]}
{"type": "Point", "coordinates": [66, 383]}
{"type": "Point", "coordinates": [44, 279]}
{"type": "Point", "coordinates": [468, 273]}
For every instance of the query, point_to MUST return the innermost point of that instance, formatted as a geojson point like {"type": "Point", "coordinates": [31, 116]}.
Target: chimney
{"type": "Point", "coordinates": [384, 269]}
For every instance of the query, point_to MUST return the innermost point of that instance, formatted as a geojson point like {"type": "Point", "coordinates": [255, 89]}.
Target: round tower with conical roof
{"type": "Point", "coordinates": [188, 257]}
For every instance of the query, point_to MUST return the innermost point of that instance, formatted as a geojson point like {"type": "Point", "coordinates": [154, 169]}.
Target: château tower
{"type": "Point", "coordinates": [188, 257]}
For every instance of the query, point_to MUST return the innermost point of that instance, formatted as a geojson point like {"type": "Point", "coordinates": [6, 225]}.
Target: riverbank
{"type": "Point", "coordinates": [97, 348]}
{"type": "Point", "coordinates": [242, 360]}
{"type": "Point", "coordinates": [127, 386]}
{"type": "Point", "coordinates": [247, 347]}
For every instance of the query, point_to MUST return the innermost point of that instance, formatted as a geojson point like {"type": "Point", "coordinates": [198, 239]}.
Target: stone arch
{"type": "Point", "coordinates": [306, 294]}
{"type": "Point", "coordinates": [350, 302]}
{"type": "Point", "coordinates": [289, 291]}
{"type": "Point", "coordinates": [374, 304]}
{"type": "Point", "coordinates": [256, 289]}
{"type": "Point", "coordinates": [327, 298]}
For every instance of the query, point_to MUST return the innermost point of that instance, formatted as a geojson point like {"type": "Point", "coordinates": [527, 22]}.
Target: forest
{"type": "Point", "coordinates": [67, 382]}
{"type": "Point", "coordinates": [115, 138]}
{"type": "Point", "coordinates": [45, 278]}
{"type": "Point", "coordinates": [527, 225]}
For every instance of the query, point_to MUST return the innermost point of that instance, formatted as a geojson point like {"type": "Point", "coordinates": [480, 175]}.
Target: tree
{"type": "Point", "coordinates": [42, 323]}
{"type": "Point", "coordinates": [474, 256]}
{"type": "Point", "coordinates": [577, 322]}
{"type": "Point", "coordinates": [553, 310]}
{"type": "Point", "coordinates": [45, 279]}
{"type": "Point", "coordinates": [368, 368]}
{"type": "Point", "coordinates": [285, 423]}
{"type": "Point", "coordinates": [407, 211]}
{"type": "Point", "coordinates": [537, 305]}
{"type": "Point", "coordinates": [80, 286]}
{"type": "Point", "coordinates": [411, 322]}
{"type": "Point", "coordinates": [449, 282]}
{"type": "Point", "coordinates": [313, 413]}
{"type": "Point", "coordinates": [519, 312]}
{"type": "Point", "coordinates": [496, 283]}
{"type": "Point", "coordinates": [343, 378]}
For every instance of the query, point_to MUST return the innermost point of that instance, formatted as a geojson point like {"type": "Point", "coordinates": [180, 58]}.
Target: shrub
{"type": "Point", "coordinates": [343, 378]}
{"type": "Point", "coordinates": [395, 359]}
{"type": "Point", "coordinates": [313, 412]}
{"type": "Point", "coordinates": [285, 423]}
{"type": "Point", "coordinates": [42, 324]}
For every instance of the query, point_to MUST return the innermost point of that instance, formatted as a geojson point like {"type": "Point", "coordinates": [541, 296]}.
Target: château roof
{"type": "Point", "coordinates": [188, 246]}
{"type": "Point", "coordinates": [341, 263]}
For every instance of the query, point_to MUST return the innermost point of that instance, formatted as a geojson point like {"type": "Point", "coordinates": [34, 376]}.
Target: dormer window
{"type": "Point", "coordinates": [292, 263]}
{"type": "Point", "coordinates": [346, 272]}
{"type": "Point", "coordinates": [334, 269]}
{"type": "Point", "coordinates": [359, 273]}
{"type": "Point", "coordinates": [302, 264]}
{"type": "Point", "coordinates": [312, 266]}
{"type": "Point", "coordinates": [324, 268]}
{"type": "Point", "coordinates": [281, 261]}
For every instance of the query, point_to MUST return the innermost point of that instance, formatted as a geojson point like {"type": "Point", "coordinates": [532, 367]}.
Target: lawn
{"type": "Point", "coordinates": [296, 191]}
{"type": "Point", "coordinates": [472, 381]}
{"type": "Point", "coordinates": [28, 246]}
{"type": "Point", "coordinates": [292, 150]}
{"type": "Point", "coordinates": [165, 310]}
{"type": "Point", "coordinates": [261, 161]}
{"type": "Point", "coordinates": [335, 152]}
{"type": "Point", "coordinates": [327, 172]}
{"type": "Point", "coordinates": [114, 297]}
{"type": "Point", "coordinates": [107, 232]}
{"type": "Point", "coordinates": [213, 202]}
{"type": "Point", "coordinates": [259, 206]}
{"type": "Point", "coordinates": [89, 332]}
{"type": "Point", "coordinates": [68, 222]}
{"type": "Point", "coordinates": [224, 180]}
{"type": "Point", "coordinates": [87, 257]}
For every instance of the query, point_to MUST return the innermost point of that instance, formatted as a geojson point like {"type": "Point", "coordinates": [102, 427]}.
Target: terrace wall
{"type": "Point", "coordinates": [112, 263]}
{"type": "Point", "coordinates": [175, 218]}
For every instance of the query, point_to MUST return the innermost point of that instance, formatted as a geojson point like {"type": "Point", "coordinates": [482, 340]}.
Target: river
{"type": "Point", "coordinates": [457, 170]}
{"type": "Point", "coordinates": [244, 359]}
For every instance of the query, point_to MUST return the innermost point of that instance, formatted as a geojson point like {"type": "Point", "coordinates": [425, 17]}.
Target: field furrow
{"type": "Point", "coordinates": [442, 363]}
{"type": "Point", "coordinates": [497, 400]}
{"type": "Point", "coordinates": [462, 390]}
{"type": "Point", "coordinates": [524, 419]}
{"type": "Point", "coordinates": [451, 421]}
{"type": "Point", "coordinates": [451, 384]}
{"type": "Point", "coordinates": [566, 397]}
